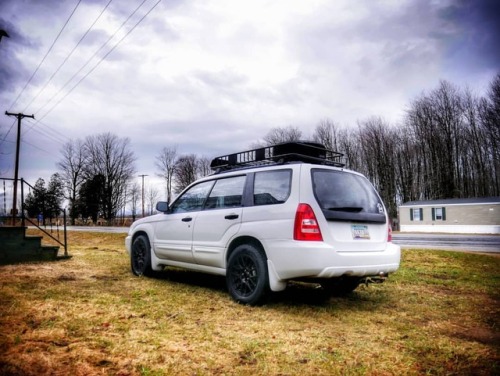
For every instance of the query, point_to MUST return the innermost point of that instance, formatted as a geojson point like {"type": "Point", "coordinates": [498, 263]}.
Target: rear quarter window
{"type": "Point", "coordinates": [272, 187]}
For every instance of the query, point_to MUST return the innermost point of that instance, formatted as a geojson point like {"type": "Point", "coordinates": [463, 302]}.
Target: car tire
{"type": "Point", "coordinates": [247, 276]}
{"type": "Point", "coordinates": [341, 286]}
{"type": "Point", "coordinates": [140, 256]}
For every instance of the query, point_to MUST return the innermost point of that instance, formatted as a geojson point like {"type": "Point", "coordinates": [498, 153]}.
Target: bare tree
{"type": "Point", "coordinates": [71, 165]}
{"type": "Point", "coordinates": [455, 139]}
{"type": "Point", "coordinates": [378, 146]}
{"type": "Point", "coordinates": [327, 133]}
{"type": "Point", "coordinates": [285, 134]}
{"type": "Point", "coordinates": [152, 195]}
{"type": "Point", "coordinates": [165, 162]}
{"type": "Point", "coordinates": [110, 157]}
{"type": "Point", "coordinates": [436, 119]}
{"type": "Point", "coordinates": [185, 172]}
{"type": "Point", "coordinates": [204, 167]}
{"type": "Point", "coordinates": [490, 123]}
{"type": "Point", "coordinates": [474, 154]}
{"type": "Point", "coordinates": [407, 166]}
{"type": "Point", "coordinates": [349, 145]}
{"type": "Point", "coordinates": [134, 197]}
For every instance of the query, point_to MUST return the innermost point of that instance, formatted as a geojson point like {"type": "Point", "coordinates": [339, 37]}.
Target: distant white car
{"type": "Point", "coordinates": [270, 215]}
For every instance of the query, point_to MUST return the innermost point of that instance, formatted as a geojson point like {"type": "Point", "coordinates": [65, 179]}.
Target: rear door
{"type": "Point", "coordinates": [355, 215]}
{"type": "Point", "coordinates": [219, 221]}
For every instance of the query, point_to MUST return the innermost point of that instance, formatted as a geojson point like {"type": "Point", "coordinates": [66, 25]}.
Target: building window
{"type": "Point", "coordinates": [416, 214]}
{"type": "Point", "coordinates": [439, 214]}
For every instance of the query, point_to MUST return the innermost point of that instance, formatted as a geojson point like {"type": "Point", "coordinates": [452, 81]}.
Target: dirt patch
{"type": "Point", "coordinates": [479, 334]}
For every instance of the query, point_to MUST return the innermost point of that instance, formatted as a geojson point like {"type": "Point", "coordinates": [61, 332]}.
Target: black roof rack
{"type": "Point", "coordinates": [299, 151]}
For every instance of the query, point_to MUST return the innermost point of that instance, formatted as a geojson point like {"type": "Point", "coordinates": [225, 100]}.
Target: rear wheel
{"type": "Point", "coordinates": [140, 256]}
{"type": "Point", "coordinates": [247, 278]}
{"type": "Point", "coordinates": [341, 286]}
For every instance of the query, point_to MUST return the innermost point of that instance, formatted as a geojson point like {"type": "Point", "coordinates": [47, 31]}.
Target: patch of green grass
{"type": "Point", "coordinates": [437, 315]}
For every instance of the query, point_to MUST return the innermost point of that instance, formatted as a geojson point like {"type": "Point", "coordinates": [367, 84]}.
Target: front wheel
{"type": "Point", "coordinates": [247, 277]}
{"type": "Point", "coordinates": [140, 256]}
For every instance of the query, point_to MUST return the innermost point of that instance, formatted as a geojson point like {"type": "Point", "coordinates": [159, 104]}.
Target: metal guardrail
{"type": "Point", "coordinates": [14, 217]}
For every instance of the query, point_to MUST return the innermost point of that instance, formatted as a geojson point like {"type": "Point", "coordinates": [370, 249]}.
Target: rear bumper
{"type": "Point", "coordinates": [318, 260]}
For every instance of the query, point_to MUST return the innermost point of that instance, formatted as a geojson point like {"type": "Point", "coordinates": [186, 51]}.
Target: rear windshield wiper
{"type": "Point", "coordinates": [350, 209]}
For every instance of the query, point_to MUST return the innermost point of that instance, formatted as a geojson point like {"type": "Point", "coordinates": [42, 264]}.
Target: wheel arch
{"type": "Point", "coordinates": [146, 229]}
{"type": "Point", "coordinates": [274, 281]}
{"type": "Point", "coordinates": [244, 240]}
{"type": "Point", "coordinates": [139, 233]}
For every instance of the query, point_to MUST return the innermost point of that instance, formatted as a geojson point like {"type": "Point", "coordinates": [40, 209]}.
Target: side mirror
{"type": "Point", "coordinates": [162, 206]}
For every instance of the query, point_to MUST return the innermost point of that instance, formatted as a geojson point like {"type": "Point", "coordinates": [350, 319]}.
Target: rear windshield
{"type": "Point", "coordinates": [345, 196]}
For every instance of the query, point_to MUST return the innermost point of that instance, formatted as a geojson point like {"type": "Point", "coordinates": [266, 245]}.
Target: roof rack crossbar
{"type": "Point", "coordinates": [299, 151]}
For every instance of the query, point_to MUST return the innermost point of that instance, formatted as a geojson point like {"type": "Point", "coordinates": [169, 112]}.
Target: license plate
{"type": "Point", "coordinates": [360, 232]}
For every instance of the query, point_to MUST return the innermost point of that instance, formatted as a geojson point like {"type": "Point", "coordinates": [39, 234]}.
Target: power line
{"type": "Point", "coordinates": [68, 56]}
{"type": "Point", "coordinates": [53, 137]}
{"type": "Point", "coordinates": [48, 133]}
{"type": "Point", "coordinates": [36, 147]}
{"type": "Point", "coordinates": [88, 61]}
{"type": "Point", "coordinates": [104, 57]}
{"type": "Point", "coordinates": [6, 134]}
{"type": "Point", "coordinates": [43, 59]}
{"type": "Point", "coordinates": [38, 121]}
{"type": "Point", "coordinates": [81, 68]}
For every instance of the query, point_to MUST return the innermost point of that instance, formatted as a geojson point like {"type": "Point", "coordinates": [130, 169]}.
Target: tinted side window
{"type": "Point", "coordinates": [227, 193]}
{"type": "Point", "coordinates": [272, 187]}
{"type": "Point", "coordinates": [193, 199]}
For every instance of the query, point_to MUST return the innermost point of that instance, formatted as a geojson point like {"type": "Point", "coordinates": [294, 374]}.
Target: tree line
{"type": "Point", "coordinates": [94, 175]}
{"type": "Point", "coordinates": [446, 146]}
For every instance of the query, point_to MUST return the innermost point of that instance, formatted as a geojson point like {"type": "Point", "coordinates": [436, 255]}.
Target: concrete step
{"type": "Point", "coordinates": [16, 247]}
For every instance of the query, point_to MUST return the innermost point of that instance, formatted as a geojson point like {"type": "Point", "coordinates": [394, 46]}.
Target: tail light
{"type": "Point", "coordinates": [306, 226]}
{"type": "Point", "coordinates": [389, 233]}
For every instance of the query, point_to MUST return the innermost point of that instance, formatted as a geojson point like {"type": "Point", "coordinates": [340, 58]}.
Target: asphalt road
{"type": "Point", "coordinates": [117, 230]}
{"type": "Point", "coordinates": [455, 242]}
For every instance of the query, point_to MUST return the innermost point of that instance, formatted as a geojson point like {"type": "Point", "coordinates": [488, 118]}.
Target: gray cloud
{"type": "Point", "coordinates": [213, 79]}
{"type": "Point", "coordinates": [476, 36]}
{"type": "Point", "coordinates": [12, 70]}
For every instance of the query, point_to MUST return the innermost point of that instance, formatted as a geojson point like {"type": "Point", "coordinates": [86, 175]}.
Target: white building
{"type": "Point", "coordinates": [461, 215]}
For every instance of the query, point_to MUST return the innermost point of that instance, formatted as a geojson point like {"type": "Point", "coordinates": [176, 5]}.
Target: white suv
{"type": "Point", "coordinates": [270, 215]}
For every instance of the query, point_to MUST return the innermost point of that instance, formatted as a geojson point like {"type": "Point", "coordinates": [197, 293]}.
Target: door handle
{"type": "Point", "coordinates": [187, 219]}
{"type": "Point", "coordinates": [231, 216]}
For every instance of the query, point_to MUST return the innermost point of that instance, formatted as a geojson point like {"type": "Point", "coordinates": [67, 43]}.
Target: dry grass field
{"type": "Point", "coordinates": [438, 315]}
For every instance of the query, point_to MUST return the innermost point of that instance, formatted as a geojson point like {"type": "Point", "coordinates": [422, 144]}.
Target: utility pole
{"type": "Point", "coordinates": [142, 176]}
{"type": "Point", "coordinates": [16, 170]}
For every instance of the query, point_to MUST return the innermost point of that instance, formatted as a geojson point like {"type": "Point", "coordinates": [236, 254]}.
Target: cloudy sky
{"type": "Point", "coordinates": [215, 76]}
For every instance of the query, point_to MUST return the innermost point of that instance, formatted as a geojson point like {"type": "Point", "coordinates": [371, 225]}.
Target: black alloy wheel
{"type": "Point", "coordinates": [140, 256]}
{"type": "Point", "coordinates": [247, 276]}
